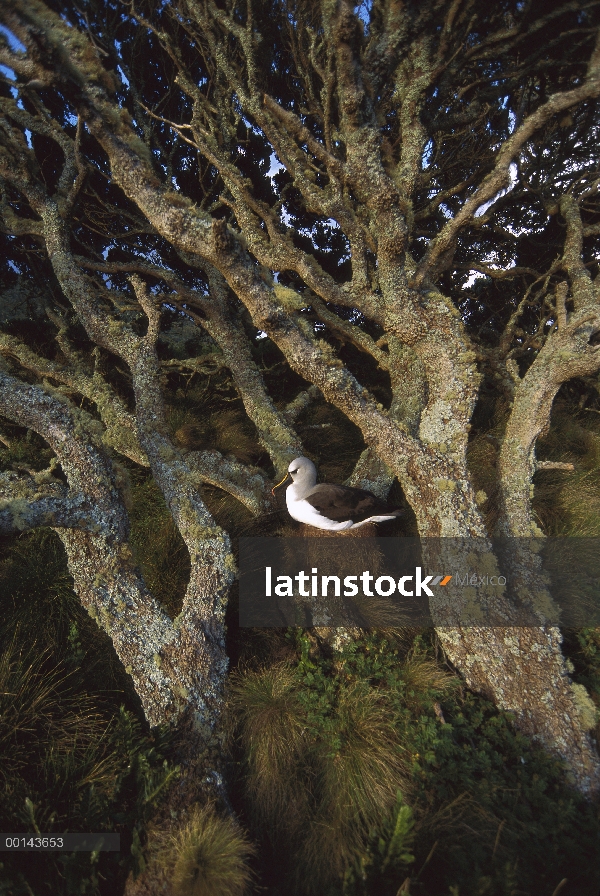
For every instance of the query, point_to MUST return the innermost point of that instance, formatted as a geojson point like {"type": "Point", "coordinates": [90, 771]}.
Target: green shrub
{"type": "Point", "coordinates": [386, 858]}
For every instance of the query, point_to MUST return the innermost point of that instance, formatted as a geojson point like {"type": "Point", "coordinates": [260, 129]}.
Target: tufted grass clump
{"type": "Point", "coordinates": [23, 450]}
{"type": "Point", "coordinates": [36, 588]}
{"type": "Point", "coordinates": [569, 503]}
{"type": "Point", "coordinates": [69, 761]}
{"type": "Point", "coordinates": [421, 674]}
{"type": "Point", "coordinates": [209, 856]}
{"type": "Point", "coordinates": [40, 720]}
{"type": "Point", "coordinates": [270, 721]}
{"type": "Point", "coordinates": [199, 426]}
{"type": "Point", "coordinates": [359, 766]}
{"type": "Point", "coordinates": [322, 762]}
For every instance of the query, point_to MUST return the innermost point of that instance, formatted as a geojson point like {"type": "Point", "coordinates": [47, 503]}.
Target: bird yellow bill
{"type": "Point", "coordinates": [285, 478]}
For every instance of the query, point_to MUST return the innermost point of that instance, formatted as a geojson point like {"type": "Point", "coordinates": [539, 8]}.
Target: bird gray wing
{"type": "Point", "coordinates": [341, 503]}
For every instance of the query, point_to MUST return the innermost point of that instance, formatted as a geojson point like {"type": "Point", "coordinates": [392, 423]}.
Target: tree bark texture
{"type": "Point", "coordinates": [353, 144]}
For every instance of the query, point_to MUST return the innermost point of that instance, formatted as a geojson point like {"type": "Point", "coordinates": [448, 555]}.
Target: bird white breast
{"type": "Point", "coordinates": [304, 512]}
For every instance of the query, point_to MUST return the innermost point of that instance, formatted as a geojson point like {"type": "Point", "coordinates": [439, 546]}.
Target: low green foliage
{"type": "Point", "coordinates": [389, 850]}
{"type": "Point", "coordinates": [584, 649]}
{"type": "Point", "coordinates": [322, 759]}
{"type": "Point", "coordinates": [492, 813]}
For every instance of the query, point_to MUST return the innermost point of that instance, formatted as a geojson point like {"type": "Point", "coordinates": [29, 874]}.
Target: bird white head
{"type": "Point", "coordinates": [304, 477]}
{"type": "Point", "coordinates": [303, 474]}
{"type": "Point", "coordinates": [302, 469]}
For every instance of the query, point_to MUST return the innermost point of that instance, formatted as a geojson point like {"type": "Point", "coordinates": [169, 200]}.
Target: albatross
{"type": "Point", "coordinates": [330, 506]}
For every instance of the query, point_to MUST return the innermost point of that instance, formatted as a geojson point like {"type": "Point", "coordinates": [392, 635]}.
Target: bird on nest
{"type": "Point", "coordinates": [330, 506]}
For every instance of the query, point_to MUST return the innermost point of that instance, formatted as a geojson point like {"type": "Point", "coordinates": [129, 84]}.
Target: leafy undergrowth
{"type": "Point", "coordinates": [381, 772]}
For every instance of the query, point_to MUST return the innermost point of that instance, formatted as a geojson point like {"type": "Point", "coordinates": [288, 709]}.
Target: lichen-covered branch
{"type": "Point", "coordinates": [441, 249]}
{"type": "Point", "coordinates": [119, 425]}
{"type": "Point", "coordinates": [177, 668]}
{"type": "Point", "coordinates": [27, 502]}
{"type": "Point", "coordinates": [274, 432]}
{"type": "Point", "coordinates": [247, 485]}
{"type": "Point", "coordinates": [302, 401]}
{"type": "Point", "coordinates": [226, 329]}
{"type": "Point", "coordinates": [567, 353]}
{"type": "Point", "coordinates": [115, 595]}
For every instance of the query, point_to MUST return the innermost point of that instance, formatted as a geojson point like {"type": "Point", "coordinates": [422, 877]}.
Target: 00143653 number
{"type": "Point", "coordinates": [33, 842]}
{"type": "Point", "coordinates": [68, 842]}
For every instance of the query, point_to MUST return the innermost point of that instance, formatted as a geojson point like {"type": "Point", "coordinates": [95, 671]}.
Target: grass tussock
{"type": "Point", "coordinates": [228, 431]}
{"type": "Point", "coordinates": [265, 709]}
{"type": "Point", "coordinates": [37, 711]}
{"type": "Point", "coordinates": [358, 774]}
{"type": "Point", "coordinates": [209, 856]}
{"type": "Point", "coordinates": [568, 503]}
{"type": "Point", "coordinates": [69, 761]}
{"type": "Point", "coordinates": [25, 450]}
{"type": "Point", "coordinates": [422, 675]}
{"type": "Point", "coordinates": [482, 459]}
{"type": "Point", "coordinates": [322, 765]}
{"type": "Point", "coordinates": [36, 588]}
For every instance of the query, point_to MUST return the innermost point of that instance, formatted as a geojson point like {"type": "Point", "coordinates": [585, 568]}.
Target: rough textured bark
{"type": "Point", "coordinates": [382, 139]}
